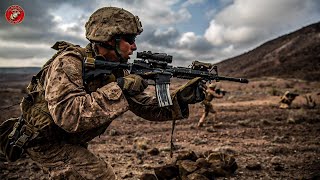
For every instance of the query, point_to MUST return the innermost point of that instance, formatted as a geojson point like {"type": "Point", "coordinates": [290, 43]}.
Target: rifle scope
{"type": "Point", "coordinates": [155, 56]}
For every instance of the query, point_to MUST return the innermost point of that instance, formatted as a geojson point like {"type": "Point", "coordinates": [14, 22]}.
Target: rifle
{"type": "Point", "coordinates": [156, 67]}
{"type": "Point", "coordinates": [292, 95]}
{"type": "Point", "coordinates": [221, 91]}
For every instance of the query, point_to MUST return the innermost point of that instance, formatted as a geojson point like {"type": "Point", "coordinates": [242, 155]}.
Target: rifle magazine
{"type": "Point", "coordinates": [163, 95]}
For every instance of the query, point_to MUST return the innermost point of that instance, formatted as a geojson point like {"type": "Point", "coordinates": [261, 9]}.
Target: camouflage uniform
{"type": "Point", "coordinates": [286, 100]}
{"type": "Point", "coordinates": [210, 94]}
{"type": "Point", "coordinates": [70, 113]}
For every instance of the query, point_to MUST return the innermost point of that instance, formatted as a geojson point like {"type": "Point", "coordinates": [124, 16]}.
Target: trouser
{"type": "Point", "coordinates": [67, 161]}
{"type": "Point", "coordinates": [207, 108]}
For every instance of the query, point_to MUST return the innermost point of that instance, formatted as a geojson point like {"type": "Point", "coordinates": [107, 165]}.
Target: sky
{"type": "Point", "coordinates": [204, 30]}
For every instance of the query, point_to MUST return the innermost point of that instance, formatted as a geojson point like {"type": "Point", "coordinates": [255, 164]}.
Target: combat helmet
{"type": "Point", "coordinates": [107, 22]}
{"type": "Point", "coordinates": [212, 86]}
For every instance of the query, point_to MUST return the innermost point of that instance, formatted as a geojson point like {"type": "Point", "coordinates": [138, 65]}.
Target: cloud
{"type": "Point", "coordinates": [192, 2]}
{"type": "Point", "coordinates": [159, 37]}
{"type": "Point", "coordinates": [49, 21]}
{"type": "Point", "coordinates": [184, 47]}
{"type": "Point", "coordinates": [246, 23]}
{"type": "Point", "coordinates": [193, 42]}
{"type": "Point", "coordinates": [155, 12]}
{"type": "Point", "coordinates": [39, 25]}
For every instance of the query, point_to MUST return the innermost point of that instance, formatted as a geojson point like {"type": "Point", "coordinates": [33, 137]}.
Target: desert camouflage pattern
{"type": "Point", "coordinates": [109, 21]}
{"type": "Point", "coordinates": [73, 116]}
{"type": "Point", "coordinates": [70, 106]}
{"type": "Point", "coordinates": [74, 110]}
{"type": "Point", "coordinates": [287, 99]}
{"type": "Point", "coordinates": [208, 108]}
{"type": "Point", "coordinates": [67, 161]}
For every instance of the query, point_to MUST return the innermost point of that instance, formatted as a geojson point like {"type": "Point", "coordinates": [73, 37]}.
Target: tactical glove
{"type": "Point", "coordinates": [192, 92]}
{"type": "Point", "coordinates": [132, 84]}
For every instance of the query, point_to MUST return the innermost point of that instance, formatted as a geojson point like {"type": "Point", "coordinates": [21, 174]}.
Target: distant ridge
{"type": "Point", "coordinates": [295, 55]}
{"type": "Point", "coordinates": [19, 70]}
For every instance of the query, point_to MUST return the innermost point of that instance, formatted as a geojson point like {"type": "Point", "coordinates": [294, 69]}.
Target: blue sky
{"type": "Point", "coordinates": [205, 30]}
{"type": "Point", "coordinates": [199, 19]}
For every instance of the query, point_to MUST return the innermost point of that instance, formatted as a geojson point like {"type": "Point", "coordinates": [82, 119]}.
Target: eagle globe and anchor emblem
{"type": "Point", "coordinates": [14, 14]}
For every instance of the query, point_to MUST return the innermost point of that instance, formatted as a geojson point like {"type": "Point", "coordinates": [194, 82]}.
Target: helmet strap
{"type": "Point", "coordinates": [117, 49]}
{"type": "Point", "coordinates": [105, 45]}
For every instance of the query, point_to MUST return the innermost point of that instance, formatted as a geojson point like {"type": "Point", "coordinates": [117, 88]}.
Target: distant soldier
{"type": "Point", "coordinates": [211, 93]}
{"type": "Point", "coordinates": [311, 103]}
{"type": "Point", "coordinates": [286, 99]}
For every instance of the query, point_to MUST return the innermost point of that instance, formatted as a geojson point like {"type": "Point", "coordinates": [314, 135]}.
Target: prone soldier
{"type": "Point", "coordinates": [286, 99]}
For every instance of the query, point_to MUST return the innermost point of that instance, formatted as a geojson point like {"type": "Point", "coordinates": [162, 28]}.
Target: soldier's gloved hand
{"type": "Point", "coordinates": [192, 92]}
{"type": "Point", "coordinates": [132, 84]}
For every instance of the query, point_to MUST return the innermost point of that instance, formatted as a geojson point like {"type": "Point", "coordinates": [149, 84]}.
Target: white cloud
{"type": "Point", "coordinates": [220, 35]}
{"type": "Point", "coordinates": [215, 34]}
{"type": "Point", "coordinates": [164, 33]}
{"type": "Point", "coordinates": [192, 2]}
{"type": "Point", "coordinates": [187, 38]}
{"type": "Point", "coordinates": [155, 12]}
{"type": "Point", "coordinates": [249, 22]}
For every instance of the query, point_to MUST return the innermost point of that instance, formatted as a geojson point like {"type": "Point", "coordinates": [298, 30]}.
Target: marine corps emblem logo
{"type": "Point", "coordinates": [14, 14]}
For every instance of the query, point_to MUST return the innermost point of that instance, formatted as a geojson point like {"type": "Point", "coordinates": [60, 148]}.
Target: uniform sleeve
{"type": "Point", "coordinates": [147, 107]}
{"type": "Point", "coordinates": [70, 106]}
{"type": "Point", "coordinates": [214, 94]}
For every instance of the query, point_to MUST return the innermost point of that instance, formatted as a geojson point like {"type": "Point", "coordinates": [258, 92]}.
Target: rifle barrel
{"type": "Point", "coordinates": [240, 80]}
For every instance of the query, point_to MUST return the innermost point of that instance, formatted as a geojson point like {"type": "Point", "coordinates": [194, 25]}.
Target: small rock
{"type": "Point", "coordinates": [140, 153]}
{"type": "Point", "coordinates": [207, 172]}
{"type": "Point", "coordinates": [275, 160]}
{"type": "Point", "coordinates": [147, 176]}
{"type": "Point", "coordinates": [195, 176]}
{"type": "Point", "coordinates": [141, 144]}
{"type": "Point", "coordinates": [35, 167]}
{"type": "Point", "coordinates": [210, 130]}
{"type": "Point", "coordinates": [169, 171]}
{"type": "Point", "coordinates": [164, 149]}
{"type": "Point", "coordinates": [139, 161]}
{"type": "Point", "coordinates": [255, 166]}
{"type": "Point", "coordinates": [198, 141]}
{"type": "Point", "coordinates": [113, 132]}
{"type": "Point", "coordinates": [244, 122]}
{"type": "Point", "coordinates": [154, 151]}
{"type": "Point", "coordinates": [266, 122]}
{"type": "Point", "coordinates": [201, 162]}
{"type": "Point", "coordinates": [189, 155]}
{"type": "Point", "coordinates": [187, 167]}
{"type": "Point", "coordinates": [278, 167]}
{"type": "Point", "coordinates": [223, 161]}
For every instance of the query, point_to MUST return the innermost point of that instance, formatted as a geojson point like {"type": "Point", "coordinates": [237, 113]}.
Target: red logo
{"type": "Point", "coordinates": [14, 14]}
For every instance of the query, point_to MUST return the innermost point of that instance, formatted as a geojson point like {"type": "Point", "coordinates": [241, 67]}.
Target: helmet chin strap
{"type": "Point", "coordinates": [116, 48]}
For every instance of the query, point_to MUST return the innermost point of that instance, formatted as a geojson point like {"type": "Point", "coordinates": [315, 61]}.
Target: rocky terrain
{"type": "Point", "coordinates": [266, 142]}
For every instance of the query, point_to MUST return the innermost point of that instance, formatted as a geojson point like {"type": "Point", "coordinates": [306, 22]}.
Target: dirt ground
{"type": "Point", "coordinates": [267, 142]}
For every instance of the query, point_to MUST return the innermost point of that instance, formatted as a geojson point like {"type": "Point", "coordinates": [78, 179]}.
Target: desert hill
{"type": "Point", "coordinates": [294, 55]}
